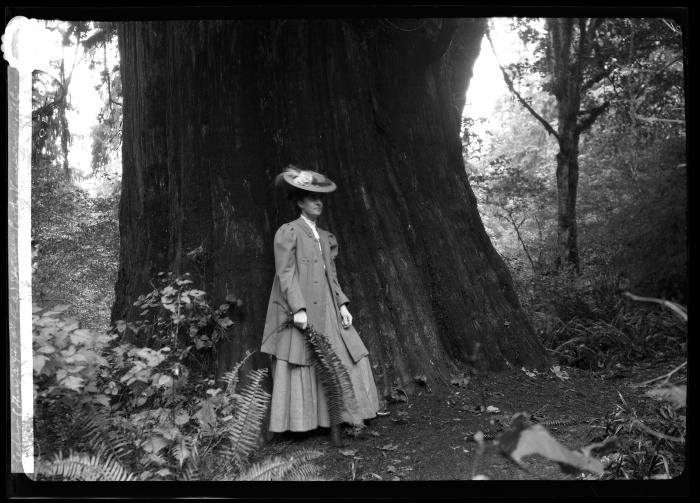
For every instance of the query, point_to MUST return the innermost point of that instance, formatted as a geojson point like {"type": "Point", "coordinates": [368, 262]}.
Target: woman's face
{"type": "Point", "coordinates": [311, 206]}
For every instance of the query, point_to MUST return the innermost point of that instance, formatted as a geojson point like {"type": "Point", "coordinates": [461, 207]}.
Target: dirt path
{"type": "Point", "coordinates": [429, 436]}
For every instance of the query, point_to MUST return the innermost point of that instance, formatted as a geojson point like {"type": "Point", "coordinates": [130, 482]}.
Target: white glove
{"type": "Point", "coordinates": [346, 316]}
{"type": "Point", "coordinates": [300, 320]}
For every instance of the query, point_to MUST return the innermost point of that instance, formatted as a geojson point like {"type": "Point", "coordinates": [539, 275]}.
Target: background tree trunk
{"type": "Point", "coordinates": [567, 185]}
{"type": "Point", "coordinates": [213, 110]}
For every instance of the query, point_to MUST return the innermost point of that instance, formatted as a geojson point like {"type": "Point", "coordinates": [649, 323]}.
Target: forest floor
{"type": "Point", "coordinates": [430, 436]}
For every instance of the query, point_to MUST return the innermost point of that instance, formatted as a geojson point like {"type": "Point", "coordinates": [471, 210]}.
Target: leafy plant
{"type": "Point", "coordinates": [121, 410]}
{"type": "Point", "coordinates": [177, 318]}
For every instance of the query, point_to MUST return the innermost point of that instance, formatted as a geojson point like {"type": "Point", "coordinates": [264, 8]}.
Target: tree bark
{"type": "Point", "coordinates": [213, 110]}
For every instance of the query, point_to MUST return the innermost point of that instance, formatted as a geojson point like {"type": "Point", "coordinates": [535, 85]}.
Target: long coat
{"type": "Point", "coordinates": [300, 284]}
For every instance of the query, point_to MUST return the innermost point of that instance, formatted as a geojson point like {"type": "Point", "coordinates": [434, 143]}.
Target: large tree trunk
{"type": "Point", "coordinates": [213, 110]}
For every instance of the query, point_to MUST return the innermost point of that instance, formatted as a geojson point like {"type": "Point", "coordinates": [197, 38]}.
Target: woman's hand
{"type": "Point", "coordinates": [300, 320]}
{"type": "Point", "coordinates": [346, 316]}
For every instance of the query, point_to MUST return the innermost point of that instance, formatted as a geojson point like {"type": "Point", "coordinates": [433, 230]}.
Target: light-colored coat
{"type": "Point", "coordinates": [299, 284]}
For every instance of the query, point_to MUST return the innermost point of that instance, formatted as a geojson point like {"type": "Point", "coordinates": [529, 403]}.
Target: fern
{"type": "Point", "coordinates": [185, 448]}
{"type": "Point", "coordinates": [246, 424]}
{"type": "Point", "coordinates": [333, 375]}
{"type": "Point", "coordinates": [82, 466]}
{"type": "Point", "coordinates": [295, 467]}
{"type": "Point", "coordinates": [191, 472]}
{"type": "Point", "coordinates": [96, 434]}
{"type": "Point", "coordinates": [231, 377]}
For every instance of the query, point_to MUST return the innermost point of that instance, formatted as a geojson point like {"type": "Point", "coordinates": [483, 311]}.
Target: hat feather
{"type": "Point", "coordinates": [289, 170]}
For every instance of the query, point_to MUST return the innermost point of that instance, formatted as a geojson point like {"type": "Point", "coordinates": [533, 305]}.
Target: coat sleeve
{"type": "Point", "coordinates": [340, 296]}
{"type": "Point", "coordinates": [285, 267]}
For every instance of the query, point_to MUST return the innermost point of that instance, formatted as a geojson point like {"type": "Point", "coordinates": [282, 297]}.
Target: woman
{"type": "Point", "coordinates": [306, 285]}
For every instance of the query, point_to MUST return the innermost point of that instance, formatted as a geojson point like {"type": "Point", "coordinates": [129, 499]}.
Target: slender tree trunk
{"type": "Point", "coordinates": [567, 185]}
{"type": "Point", "coordinates": [565, 54]}
{"type": "Point", "coordinates": [214, 109]}
{"type": "Point", "coordinates": [63, 121]}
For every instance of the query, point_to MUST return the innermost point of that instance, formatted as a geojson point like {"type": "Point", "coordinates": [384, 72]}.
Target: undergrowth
{"type": "Point", "coordinates": [107, 409]}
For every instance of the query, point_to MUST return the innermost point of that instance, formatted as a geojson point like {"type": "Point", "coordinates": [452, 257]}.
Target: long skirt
{"type": "Point", "coordinates": [298, 399]}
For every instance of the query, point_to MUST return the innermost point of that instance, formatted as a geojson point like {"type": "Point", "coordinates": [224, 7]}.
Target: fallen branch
{"type": "Point", "coordinates": [644, 427]}
{"type": "Point", "coordinates": [671, 305]}
{"type": "Point", "coordinates": [667, 376]}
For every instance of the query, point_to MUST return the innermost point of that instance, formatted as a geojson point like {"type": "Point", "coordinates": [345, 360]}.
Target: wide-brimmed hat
{"type": "Point", "coordinates": [305, 179]}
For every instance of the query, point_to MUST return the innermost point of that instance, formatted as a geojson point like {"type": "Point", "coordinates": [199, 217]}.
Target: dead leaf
{"type": "Point", "coordinates": [389, 447]}
{"type": "Point", "coordinates": [398, 395]}
{"type": "Point", "coordinates": [674, 394]}
{"type": "Point", "coordinates": [599, 449]}
{"type": "Point", "coordinates": [421, 379]}
{"type": "Point", "coordinates": [396, 479]}
{"type": "Point", "coordinates": [480, 477]}
{"type": "Point", "coordinates": [349, 452]}
{"type": "Point", "coordinates": [375, 433]}
{"type": "Point", "coordinates": [529, 373]}
{"type": "Point", "coordinates": [391, 469]}
{"type": "Point", "coordinates": [492, 410]}
{"type": "Point", "coordinates": [460, 380]}
{"type": "Point", "coordinates": [561, 374]}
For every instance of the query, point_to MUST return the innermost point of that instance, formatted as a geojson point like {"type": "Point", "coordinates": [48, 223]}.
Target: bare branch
{"type": "Point", "coordinates": [671, 305]}
{"type": "Point", "coordinates": [642, 426]}
{"type": "Point", "coordinates": [659, 119]}
{"type": "Point", "coordinates": [509, 83]}
{"type": "Point", "coordinates": [592, 116]}
{"type": "Point", "coordinates": [665, 377]}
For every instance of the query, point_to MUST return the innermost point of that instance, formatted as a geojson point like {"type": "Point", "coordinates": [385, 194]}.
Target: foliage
{"type": "Point", "coordinates": [124, 411]}
{"type": "Point", "coordinates": [295, 467]}
{"type": "Point", "coordinates": [651, 450]}
{"type": "Point", "coordinates": [632, 194]}
{"type": "Point", "coordinates": [77, 234]}
{"type": "Point", "coordinates": [78, 248]}
{"type": "Point", "coordinates": [177, 318]}
{"type": "Point", "coordinates": [628, 72]}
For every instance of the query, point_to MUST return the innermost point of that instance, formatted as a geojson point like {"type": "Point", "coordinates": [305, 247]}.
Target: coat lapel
{"type": "Point", "coordinates": [307, 229]}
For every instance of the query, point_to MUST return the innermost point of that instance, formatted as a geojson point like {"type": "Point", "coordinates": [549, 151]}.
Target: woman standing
{"type": "Point", "coordinates": [306, 285]}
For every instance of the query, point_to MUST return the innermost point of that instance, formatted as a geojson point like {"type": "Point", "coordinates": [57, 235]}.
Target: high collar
{"type": "Point", "coordinates": [305, 226]}
{"type": "Point", "coordinates": [308, 221]}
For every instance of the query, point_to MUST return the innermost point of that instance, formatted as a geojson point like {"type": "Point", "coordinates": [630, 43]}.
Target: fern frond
{"type": "Point", "coordinates": [233, 457]}
{"type": "Point", "coordinates": [269, 469]}
{"type": "Point", "coordinates": [249, 415]}
{"type": "Point", "coordinates": [191, 472]}
{"type": "Point", "coordinates": [87, 467]}
{"type": "Point", "coordinates": [294, 467]}
{"type": "Point", "coordinates": [185, 448]}
{"type": "Point", "coordinates": [94, 430]}
{"type": "Point", "coordinates": [231, 377]}
{"type": "Point", "coordinates": [333, 375]}
{"type": "Point", "coordinates": [303, 473]}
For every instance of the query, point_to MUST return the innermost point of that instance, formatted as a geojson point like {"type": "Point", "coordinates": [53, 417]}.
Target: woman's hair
{"type": "Point", "coordinates": [295, 195]}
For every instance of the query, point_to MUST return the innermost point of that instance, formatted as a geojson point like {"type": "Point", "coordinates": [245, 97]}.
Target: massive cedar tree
{"type": "Point", "coordinates": [213, 110]}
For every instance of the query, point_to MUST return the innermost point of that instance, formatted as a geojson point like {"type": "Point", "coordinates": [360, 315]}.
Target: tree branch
{"type": "Point", "coordinates": [593, 114]}
{"type": "Point", "coordinates": [509, 83]}
{"type": "Point", "coordinates": [595, 78]}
